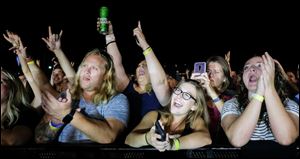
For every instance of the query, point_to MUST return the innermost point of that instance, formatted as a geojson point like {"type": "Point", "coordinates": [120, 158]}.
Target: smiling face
{"type": "Point", "coordinates": [183, 99]}
{"type": "Point", "coordinates": [57, 76]}
{"type": "Point", "coordinates": [252, 72]}
{"type": "Point", "coordinates": [92, 72]}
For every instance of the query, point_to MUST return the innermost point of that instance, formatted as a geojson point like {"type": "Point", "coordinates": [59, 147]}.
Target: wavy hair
{"type": "Point", "coordinates": [282, 87]}
{"type": "Point", "coordinates": [17, 97]}
{"type": "Point", "coordinates": [108, 87]}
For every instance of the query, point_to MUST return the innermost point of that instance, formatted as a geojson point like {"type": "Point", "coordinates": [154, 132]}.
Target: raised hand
{"type": "Point", "coordinates": [268, 70]}
{"type": "Point", "coordinates": [141, 40]}
{"type": "Point", "coordinates": [110, 27]}
{"type": "Point", "coordinates": [227, 57]}
{"type": "Point", "coordinates": [16, 41]}
{"type": "Point", "coordinates": [53, 40]}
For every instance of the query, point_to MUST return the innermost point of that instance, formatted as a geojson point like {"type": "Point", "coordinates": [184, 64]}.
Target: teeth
{"type": "Point", "coordinates": [177, 104]}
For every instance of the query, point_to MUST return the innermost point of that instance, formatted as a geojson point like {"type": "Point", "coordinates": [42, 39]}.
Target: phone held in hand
{"type": "Point", "coordinates": [199, 67]}
{"type": "Point", "coordinates": [62, 95]}
{"type": "Point", "coordinates": [159, 130]}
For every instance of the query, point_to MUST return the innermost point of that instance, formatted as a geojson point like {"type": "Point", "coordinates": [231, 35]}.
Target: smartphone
{"type": "Point", "coordinates": [62, 95]}
{"type": "Point", "coordinates": [199, 67]}
{"type": "Point", "coordinates": [159, 130]}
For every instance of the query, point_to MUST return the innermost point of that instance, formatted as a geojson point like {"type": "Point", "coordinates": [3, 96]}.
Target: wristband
{"type": "Point", "coordinates": [30, 62]}
{"type": "Point", "coordinates": [258, 97]}
{"type": "Point", "coordinates": [54, 126]}
{"type": "Point", "coordinates": [176, 143]}
{"type": "Point", "coordinates": [215, 100]}
{"type": "Point", "coordinates": [147, 51]}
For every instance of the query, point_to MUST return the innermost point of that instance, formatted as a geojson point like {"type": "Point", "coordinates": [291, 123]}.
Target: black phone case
{"type": "Point", "coordinates": [159, 130]}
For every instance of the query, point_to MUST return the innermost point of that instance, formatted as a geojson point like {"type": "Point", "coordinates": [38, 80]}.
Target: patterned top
{"type": "Point", "coordinates": [262, 131]}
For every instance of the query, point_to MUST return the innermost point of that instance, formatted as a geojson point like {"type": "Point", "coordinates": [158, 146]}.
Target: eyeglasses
{"type": "Point", "coordinates": [185, 95]}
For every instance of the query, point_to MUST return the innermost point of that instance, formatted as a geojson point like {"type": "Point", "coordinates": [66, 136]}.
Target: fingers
{"type": "Point", "coordinates": [68, 94]}
{"type": "Point", "coordinates": [60, 34]}
{"type": "Point", "coordinates": [46, 41]}
{"type": "Point", "coordinates": [49, 31]}
{"type": "Point", "coordinates": [139, 25]}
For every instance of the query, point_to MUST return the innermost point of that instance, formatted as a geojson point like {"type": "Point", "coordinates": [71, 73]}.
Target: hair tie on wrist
{"type": "Point", "coordinates": [110, 42]}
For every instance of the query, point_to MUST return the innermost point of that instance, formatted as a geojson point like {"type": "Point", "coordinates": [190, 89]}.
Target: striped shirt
{"type": "Point", "coordinates": [262, 130]}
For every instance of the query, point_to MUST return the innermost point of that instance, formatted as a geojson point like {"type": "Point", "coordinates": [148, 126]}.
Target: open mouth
{"type": "Point", "coordinates": [141, 72]}
{"type": "Point", "coordinates": [177, 104]}
{"type": "Point", "coordinates": [86, 78]}
{"type": "Point", "coordinates": [253, 79]}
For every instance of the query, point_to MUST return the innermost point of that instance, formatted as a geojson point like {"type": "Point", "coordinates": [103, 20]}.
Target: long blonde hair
{"type": "Point", "coordinates": [108, 87]}
{"type": "Point", "coordinates": [17, 97]}
{"type": "Point", "coordinates": [192, 116]}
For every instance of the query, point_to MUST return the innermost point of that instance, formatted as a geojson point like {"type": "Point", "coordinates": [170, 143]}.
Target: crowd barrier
{"type": "Point", "coordinates": [97, 151]}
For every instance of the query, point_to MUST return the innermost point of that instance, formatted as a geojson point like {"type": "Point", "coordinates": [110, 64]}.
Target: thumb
{"type": "Point", "coordinates": [139, 24]}
{"type": "Point", "coordinates": [69, 97]}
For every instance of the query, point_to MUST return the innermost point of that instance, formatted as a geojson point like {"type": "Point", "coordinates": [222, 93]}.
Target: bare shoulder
{"type": "Point", "coordinates": [199, 124]}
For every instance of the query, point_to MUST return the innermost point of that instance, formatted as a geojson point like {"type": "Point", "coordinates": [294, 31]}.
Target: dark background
{"type": "Point", "coordinates": [180, 32]}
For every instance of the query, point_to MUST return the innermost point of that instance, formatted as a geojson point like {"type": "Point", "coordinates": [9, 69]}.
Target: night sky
{"type": "Point", "coordinates": [181, 32]}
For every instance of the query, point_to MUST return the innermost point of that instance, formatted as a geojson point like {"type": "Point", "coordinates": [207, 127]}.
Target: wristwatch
{"type": "Point", "coordinates": [69, 117]}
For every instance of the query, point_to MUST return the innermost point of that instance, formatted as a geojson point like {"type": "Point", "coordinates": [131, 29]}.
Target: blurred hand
{"type": "Point", "coordinates": [58, 108]}
{"type": "Point", "coordinates": [16, 41]}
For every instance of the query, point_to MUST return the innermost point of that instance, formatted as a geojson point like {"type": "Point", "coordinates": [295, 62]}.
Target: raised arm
{"type": "Point", "coordinates": [113, 50]}
{"type": "Point", "coordinates": [239, 128]}
{"type": "Point", "coordinates": [53, 42]}
{"type": "Point", "coordinates": [157, 74]}
{"type": "Point", "coordinates": [285, 133]}
{"type": "Point", "coordinates": [20, 50]}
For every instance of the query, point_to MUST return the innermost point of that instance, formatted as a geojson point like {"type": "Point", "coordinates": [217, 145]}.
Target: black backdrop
{"type": "Point", "coordinates": [181, 32]}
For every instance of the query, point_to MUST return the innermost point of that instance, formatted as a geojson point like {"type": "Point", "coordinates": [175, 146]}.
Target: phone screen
{"type": "Point", "coordinates": [200, 67]}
